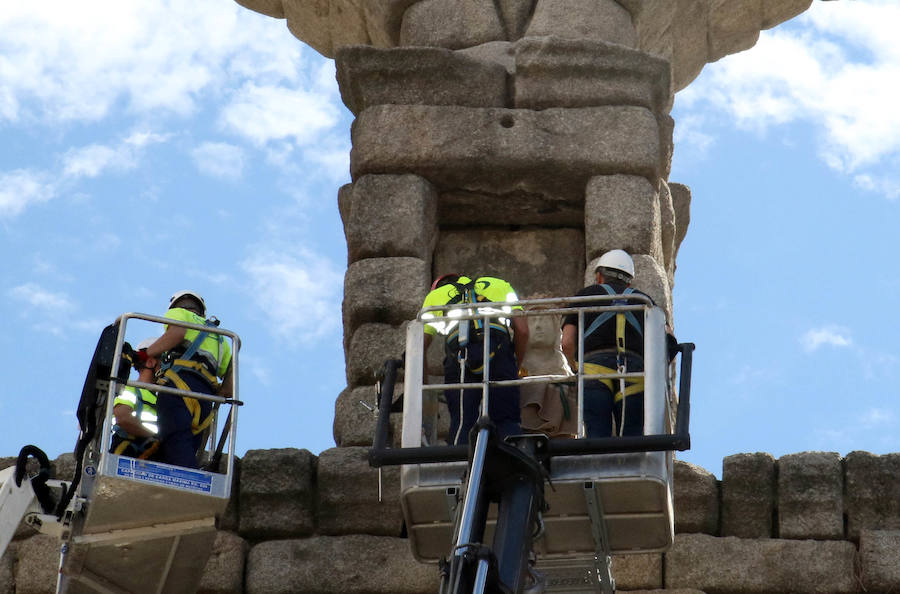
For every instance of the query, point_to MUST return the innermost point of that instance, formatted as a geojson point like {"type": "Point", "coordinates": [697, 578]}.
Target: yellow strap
{"type": "Point", "coordinates": [197, 425]}
{"type": "Point", "coordinates": [192, 404]}
{"type": "Point", "coordinates": [633, 385]}
{"type": "Point", "coordinates": [199, 368]}
{"type": "Point", "coordinates": [620, 332]}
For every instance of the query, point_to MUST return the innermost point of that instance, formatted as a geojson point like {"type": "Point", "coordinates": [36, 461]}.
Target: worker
{"type": "Point", "coordinates": [613, 342]}
{"type": "Point", "coordinates": [508, 343]}
{"type": "Point", "coordinates": [136, 429]}
{"type": "Point", "coordinates": [194, 361]}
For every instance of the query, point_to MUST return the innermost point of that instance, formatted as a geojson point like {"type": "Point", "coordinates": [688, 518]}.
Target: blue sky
{"type": "Point", "coordinates": [153, 146]}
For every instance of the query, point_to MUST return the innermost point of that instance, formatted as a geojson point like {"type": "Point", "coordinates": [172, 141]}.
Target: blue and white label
{"type": "Point", "coordinates": [161, 474]}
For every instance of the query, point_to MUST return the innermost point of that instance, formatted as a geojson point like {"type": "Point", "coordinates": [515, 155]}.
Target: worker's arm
{"type": "Point", "coordinates": [520, 338]}
{"type": "Point", "coordinates": [126, 419]}
{"type": "Point", "coordinates": [569, 344]}
{"type": "Point", "coordinates": [171, 338]}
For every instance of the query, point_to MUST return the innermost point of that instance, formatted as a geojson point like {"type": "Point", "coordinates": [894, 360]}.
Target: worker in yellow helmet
{"type": "Point", "coordinates": [191, 360]}
{"type": "Point", "coordinates": [508, 339]}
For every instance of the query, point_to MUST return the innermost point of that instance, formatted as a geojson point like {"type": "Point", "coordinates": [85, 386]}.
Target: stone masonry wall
{"type": "Point", "coordinates": [812, 522]}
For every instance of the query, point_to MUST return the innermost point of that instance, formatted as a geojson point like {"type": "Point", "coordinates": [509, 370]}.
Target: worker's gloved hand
{"type": "Point", "coordinates": [523, 371]}
{"type": "Point", "coordinates": [142, 358]}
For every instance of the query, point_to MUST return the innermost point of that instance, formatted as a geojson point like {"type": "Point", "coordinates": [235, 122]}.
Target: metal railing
{"type": "Point", "coordinates": [661, 439]}
{"type": "Point", "coordinates": [229, 434]}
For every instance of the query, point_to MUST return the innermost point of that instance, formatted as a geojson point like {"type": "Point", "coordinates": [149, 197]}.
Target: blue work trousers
{"type": "Point", "coordinates": [503, 401]}
{"type": "Point", "coordinates": [178, 444]}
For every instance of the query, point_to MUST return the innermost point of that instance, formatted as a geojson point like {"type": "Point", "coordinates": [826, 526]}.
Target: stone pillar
{"type": "Point", "coordinates": [517, 138]}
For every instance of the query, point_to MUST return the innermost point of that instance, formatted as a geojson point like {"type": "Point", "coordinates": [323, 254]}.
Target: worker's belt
{"type": "Point", "coordinates": [632, 385]}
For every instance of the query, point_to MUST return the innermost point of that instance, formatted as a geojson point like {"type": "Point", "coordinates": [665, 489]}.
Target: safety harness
{"type": "Point", "coordinates": [173, 364]}
{"type": "Point", "coordinates": [629, 386]}
{"type": "Point", "coordinates": [468, 330]}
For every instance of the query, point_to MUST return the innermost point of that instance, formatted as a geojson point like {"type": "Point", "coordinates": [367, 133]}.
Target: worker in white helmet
{"type": "Point", "coordinates": [194, 361]}
{"type": "Point", "coordinates": [613, 342]}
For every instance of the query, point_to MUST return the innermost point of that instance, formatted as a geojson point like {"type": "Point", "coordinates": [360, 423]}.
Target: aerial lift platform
{"type": "Point", "coordinates": [126, 525]}
{"type": "Point", "coordinates": [482, 511]}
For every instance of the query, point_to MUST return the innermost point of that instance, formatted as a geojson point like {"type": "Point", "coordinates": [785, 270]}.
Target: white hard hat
{"type": "Point", "coordinates": [146, 342]}
{"type": "Point", "coordinates": [617, 260]}
{"type": "Point", "coordinates": [193, 294]}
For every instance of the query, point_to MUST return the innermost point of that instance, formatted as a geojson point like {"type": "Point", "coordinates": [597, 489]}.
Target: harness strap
{"type": "Point", "coordinates": [632, 385]}
{"type": "Point", "coordinates": [192, 404]}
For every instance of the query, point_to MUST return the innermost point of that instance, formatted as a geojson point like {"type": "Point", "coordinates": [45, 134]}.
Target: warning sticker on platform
{"type": "Point", "coordinates": [151, 472]}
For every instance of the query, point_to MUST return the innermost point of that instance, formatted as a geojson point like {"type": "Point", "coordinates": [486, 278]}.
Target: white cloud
{"type": "Point", "coordinates": [61, 61]}
{"type": "Point", "coordinates": [829, 335]}
{"type": "Point", "coordinates": [22, 188]}
{"type": "Point", "coordinates": [297, 290]}
{"type": "Point", "coordinates": [270, 113]}
{"type": "Point", "coordinates": [219, 159]}
{"type": "Point", "coordinates": [837, 67]}
{"type": "Point", "coordinates": [874, 417]}
{"type": "Point", "coordinates": [38, 298]}
{"type": "Point", "coordinates": [92, 160]}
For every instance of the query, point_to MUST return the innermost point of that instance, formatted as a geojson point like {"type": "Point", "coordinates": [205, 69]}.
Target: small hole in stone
{"type": "Point", "coordinates": [507, 121]}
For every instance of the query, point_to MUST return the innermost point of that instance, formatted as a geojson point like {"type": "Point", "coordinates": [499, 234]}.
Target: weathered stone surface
{"type": "Point", "coordinates": [355, 564]}
{"type": "Point", "coordinates": [622, 212]}
{"type": "Point", "coordinates": [681, 202]}
{"type": "Point", "coordinates": [667, 227]}
{"type": "Point", "coordinates": [354, 424]}
{"type": "Point", "coordinates": [391, 216]}
{"type": "Point", "coordinates": [493, 52]}
{"type": "Point", "coordinates": [224, 573]}
{"type": "Point", "coordinates": [666, 144]}
{"type": "Point", "coordinates": [696, 499]}
{"type": "Point", "coordinates": [452, 24]}
{"type": "Point", "coordinates": [634, 572]}
{"type": "Point", "coordinates": [386, 290]}
{"type": "Point", "coordinates": [383, 19]}
{"type": "Point", "coordinates": [370, 346]}
{"type": "Point", "coordinates": [348, 495]}
{"type": "Point", "coordinates": [554, 72]}
{"type": "Point", "coordinates": [871, 492]}
{"type": "Point", "coordinates": [277, 497]}
{"type": "Point", "coordinates": [533, 261]}
{"type": "Point", "coordinates": [7, 563]}
{"type": "Point", "coordinates": [327, 24]}
{"type": "Point", "coordinates": [778, 11]}
{"type": "Point", "coordinates": [230, 519]}
{"type": "Point", "coordinates": [498, 151]}
{"type": "Point", "coordinates": [467, 209]}
{"type": "Point", "coordinates": [810, 485]}
{"type": "Point", "coordinates": [733, 26]}
{"type": "Point", "coordinates": [418, 76]}
{"type": "Point", "coordinates": [760, 566]}
{"type": "Point", "coordinates": [748, 495]}
{"type": "Point", "coordinates": [879, 560]}
{"type": "Point", "coordinates": [63, 467]}
{"type": "Point", "coordinates": [690, 43]}
{"type": "Point", "coordinates": [515, 15]}
{"type": "Point", "coordinates": [38, 565]}
{"type": "Point", "coordinates": [272, 8]}
{"type": "Point", "coordinates": [604, 20]}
